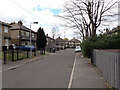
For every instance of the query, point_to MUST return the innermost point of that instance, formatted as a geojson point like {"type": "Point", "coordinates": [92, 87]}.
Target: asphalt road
{"type": "Point", "coordinates": [50, 72]}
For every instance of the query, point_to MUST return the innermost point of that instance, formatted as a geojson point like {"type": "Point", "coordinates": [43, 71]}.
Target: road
{"type": "Point", "coordinates": [53, 71]}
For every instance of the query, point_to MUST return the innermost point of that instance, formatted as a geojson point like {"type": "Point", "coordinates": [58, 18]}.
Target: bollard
{"type": "Point", "coordinates": [4, 57]}
{"type": "Point", "coordinates": [12, 56]}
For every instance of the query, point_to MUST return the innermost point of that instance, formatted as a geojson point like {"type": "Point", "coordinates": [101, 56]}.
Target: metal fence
{"type": "Point", "coordinates": [108, 61]}
{"type": "Point", "coordinates": [14, 55]}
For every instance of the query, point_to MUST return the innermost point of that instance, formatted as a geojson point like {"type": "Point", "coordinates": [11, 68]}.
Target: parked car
{"type": "Point", "coordinates": [21, 47]}
{"type": "Point", "coordinates": [27, 48]}
{"type": "Point", "coordinates": [13, 47]}
{"type": "Point", "coordinates": [77, 49]}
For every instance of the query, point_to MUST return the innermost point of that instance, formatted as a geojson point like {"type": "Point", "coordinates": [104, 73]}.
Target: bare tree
{"type": "Point", "coordinates": [78, 35]}
{"type": "Point", "coordinates": [87, 15]}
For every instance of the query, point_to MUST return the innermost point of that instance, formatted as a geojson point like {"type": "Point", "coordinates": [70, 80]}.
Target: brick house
{"type": "Point", "coordinates": [74, 42]}
{"type": "Point", "coordinates": [5, 35]}
{"type": "Point", "coordinates": [60, 43]}
{"type": "Point", "coordinates": [50, 43]}
{"type": "Point", "coordinates": [66, 43]}
{"type": "Point", "coordinates": [20, 34]}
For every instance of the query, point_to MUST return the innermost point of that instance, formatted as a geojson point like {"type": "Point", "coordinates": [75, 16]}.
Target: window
{"type": "Point", "coordinates": [32, 34]}
{"type": "Point", "coordinates": [6, 29]}
{"type": "Point", "coordinates": [27, 34]}
{"type": "Point", "coordinates": [22, 33]}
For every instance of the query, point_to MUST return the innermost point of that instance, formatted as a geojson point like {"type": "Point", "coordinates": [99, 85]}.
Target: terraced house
{"type": "Point", "coordinates": [5, 35]}
{"type": "Point", "coordinates": [20, 34]}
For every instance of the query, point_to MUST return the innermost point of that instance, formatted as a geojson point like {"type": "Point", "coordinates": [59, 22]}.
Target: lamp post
{"type": "Point", "coordinates": [31, 36]}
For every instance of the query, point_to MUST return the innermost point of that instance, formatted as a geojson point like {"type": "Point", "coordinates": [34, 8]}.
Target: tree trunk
{"type": "Point", "coordinates": [93, 30]}
{"type": "Point", "coordinates": [86, 34]}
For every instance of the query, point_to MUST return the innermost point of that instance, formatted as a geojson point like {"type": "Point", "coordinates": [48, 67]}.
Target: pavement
{"type": "Point", "coordinates": [79, 73]}
{"type": "Point", "coordinates": [86, 75]}
{"type": "Point", "coordinates": [15, 64]}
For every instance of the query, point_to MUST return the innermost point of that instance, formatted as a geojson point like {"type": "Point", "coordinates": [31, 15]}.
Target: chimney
{"type": "Point", "coordinates": [46, 34]}
{"type": "Point", "coordinates": [20, 22]}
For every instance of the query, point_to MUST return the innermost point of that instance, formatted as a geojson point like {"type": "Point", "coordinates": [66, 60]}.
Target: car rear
{"type": "Point", "coordinates": [77, 49]}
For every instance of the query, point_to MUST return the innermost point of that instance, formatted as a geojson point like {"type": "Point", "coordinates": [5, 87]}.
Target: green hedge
{"type": "Point", "coordinates": [101, 42]}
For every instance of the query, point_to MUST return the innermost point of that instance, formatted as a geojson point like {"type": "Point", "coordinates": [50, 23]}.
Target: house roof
{"type": "Point", "coordinates": [74, 40]}
{"type": "Point", "coordinates": [49, 37]}
{"type": "Point", "coordinates": [59, 39]}
{"type": "Point", "coordinates": [20, 26]}
{"type": "Point", "coordinates": [115, 29]}
{"type": "Point", "coordinates": [5, 24]}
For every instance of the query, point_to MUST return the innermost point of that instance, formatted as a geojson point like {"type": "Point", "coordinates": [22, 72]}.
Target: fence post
{"type": "Point", "coordinates": [12, 56]}
{"type": "Point", "coordinates": [17, 55]}
{"type": "Point", "coordinates": [4, 57]}
{"type": "Point", "coordinates": [27, 54]}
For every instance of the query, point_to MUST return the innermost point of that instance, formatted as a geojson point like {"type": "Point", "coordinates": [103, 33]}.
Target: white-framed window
{"type": "Point", "coordinates": [27, 34]}
{"type": "Point", "coordinates": [5, 29]}
{"type": "Point", "coordinates": [33, 35]}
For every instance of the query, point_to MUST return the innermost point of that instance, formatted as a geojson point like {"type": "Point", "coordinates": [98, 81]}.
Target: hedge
{"type": "Point", "coordinates": [101, 42]}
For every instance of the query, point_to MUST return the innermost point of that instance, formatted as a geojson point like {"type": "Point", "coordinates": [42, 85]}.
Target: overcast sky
{"type": "Point", "coordinates": [42, 11]}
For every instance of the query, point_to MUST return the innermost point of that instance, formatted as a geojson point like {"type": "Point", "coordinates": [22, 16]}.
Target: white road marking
{"type": "Point", "coordinates": [72, 73]}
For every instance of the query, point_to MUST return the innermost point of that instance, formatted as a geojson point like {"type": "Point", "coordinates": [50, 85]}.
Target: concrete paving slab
{"type": "Point", "coordinates": [85, 75]}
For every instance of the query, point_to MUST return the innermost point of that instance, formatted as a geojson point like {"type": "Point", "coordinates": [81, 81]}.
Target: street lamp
{"type": "Point", "coordinates": [31, 35]}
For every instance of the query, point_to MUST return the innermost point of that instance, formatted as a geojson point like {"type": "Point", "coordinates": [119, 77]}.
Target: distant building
{"type": "Point", "coordinates": [66, 43]}
{"type": "Point", "coordinates": [5, 35]}
{"type": "Point", "coordinates": [20, 34]}
{"type": "Point", "coordinates": [50, 43]}
{"type": "Point", "coordinates": [114, 31]}
{"type": "Point", "coordinates": [61, 43]}
{"type": "Point", "coordinates": [74, 42]}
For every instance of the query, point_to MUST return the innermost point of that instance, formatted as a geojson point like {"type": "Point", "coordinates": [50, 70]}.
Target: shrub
{"type": "Point", "coordinates": [101, 42]}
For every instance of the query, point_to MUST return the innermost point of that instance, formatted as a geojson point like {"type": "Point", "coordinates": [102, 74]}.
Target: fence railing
{"type": "Point", "coordinates": [14, 55]}
{"type": "Point", "coordinates": [108, 61]}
